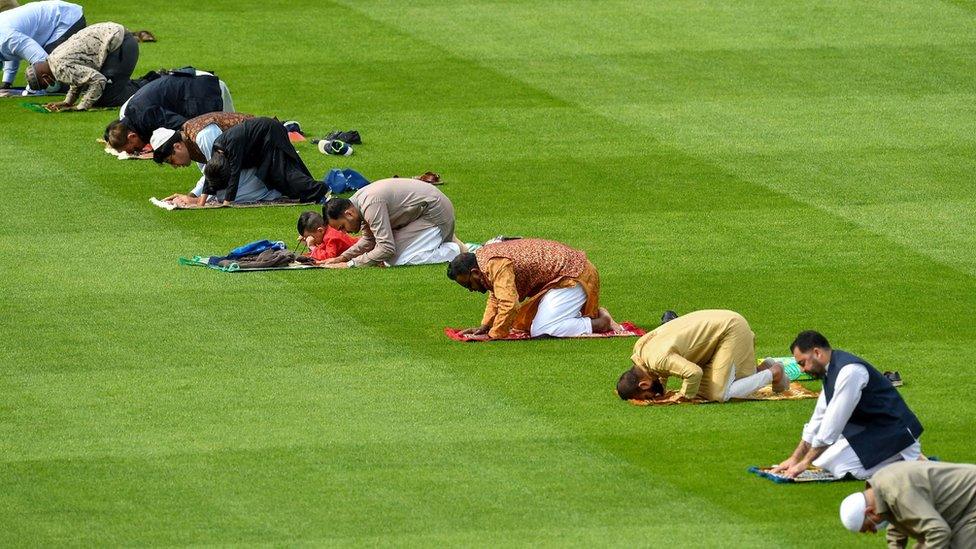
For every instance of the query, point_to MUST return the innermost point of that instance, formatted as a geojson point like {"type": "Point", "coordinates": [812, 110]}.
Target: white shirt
{"type": "Point", "coordinates": [24, 32]}
{"type": "Point", "coordinates": [828, 420]}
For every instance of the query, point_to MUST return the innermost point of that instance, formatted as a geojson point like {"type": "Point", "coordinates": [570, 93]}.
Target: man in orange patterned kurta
{"type": "Point", "coordinates": [536, 286]}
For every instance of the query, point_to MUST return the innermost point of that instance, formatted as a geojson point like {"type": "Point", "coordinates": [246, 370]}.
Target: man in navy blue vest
{"type": "Point", "coordinates": [860, 423]}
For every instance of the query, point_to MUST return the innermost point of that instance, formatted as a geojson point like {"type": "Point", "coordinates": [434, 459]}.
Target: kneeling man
{"type": "Point", "coordinates": [260, 144]}
{"type": "Point", "coordinates": [96, 63]}
{"type": "Point", "coordinates": [931, 502]}
{"type": "Point", "coordinates": [536, 286]}
{"type": "Point", "coordinates": [193, 142]}
{"type": "Point", "coordinates": [403, 221]}
{"type": "Point", "coordinates": [714, 354]}
{"type": "Point", "coordinates": [860, 423]}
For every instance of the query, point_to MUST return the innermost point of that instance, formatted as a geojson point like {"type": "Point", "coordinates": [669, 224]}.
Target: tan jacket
{"type": "Point", "coordinates": [394, 212]}
{"type": "Point", "coordinates": [519, 272]}
{"type": "Point", "coordinates": [930, 501]}
{"type": "Point", "coordinates": [683, 346]}
{"type": "Point", "coordinates": [80, 58]}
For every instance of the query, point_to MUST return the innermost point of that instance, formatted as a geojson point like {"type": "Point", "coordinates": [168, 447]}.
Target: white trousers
{"type": "Point", "coordinates": [840, 459]}
{"type": "Point", "coordinates": [225, 96]}
{"type": "Point", "coordinates": [739, 388]}
{"type": "Point", "coordinates": [426, 249]}
{"type": "Point", "coordinates": [560, 314]}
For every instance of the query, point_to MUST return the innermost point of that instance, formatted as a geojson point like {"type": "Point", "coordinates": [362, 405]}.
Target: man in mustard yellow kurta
{"type": "Point", "coordinates": [712, 351]}
{"type": "Point", "coordinates": [536, 286]}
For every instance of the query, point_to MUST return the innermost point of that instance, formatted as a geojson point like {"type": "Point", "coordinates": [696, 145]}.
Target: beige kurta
{"type": "Point", "coordinates": [395, 211]}
{"type": "Point", "coordinates": [703, 348]}
{"type": "Point", "coordinates": [929, 501]}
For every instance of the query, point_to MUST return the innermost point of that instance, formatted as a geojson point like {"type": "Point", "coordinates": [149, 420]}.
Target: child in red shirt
{"type": "Point", "coordinates": [323, 241]}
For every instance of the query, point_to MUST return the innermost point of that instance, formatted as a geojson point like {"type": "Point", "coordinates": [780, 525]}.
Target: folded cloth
{"type": "Point", "coordinates": [812, 474]}
{"type": "Point", "coordinates": [628, 329]}
{"type": "Point", "coordinates": [795, 392]}
{"type": "Point", "coordinates": [214, 204]}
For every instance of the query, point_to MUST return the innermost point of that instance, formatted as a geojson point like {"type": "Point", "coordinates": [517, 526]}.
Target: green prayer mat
{"type": "Point", "coordinates": [791, 368]}
{"type": "Point", "coordinates": [39, 107]}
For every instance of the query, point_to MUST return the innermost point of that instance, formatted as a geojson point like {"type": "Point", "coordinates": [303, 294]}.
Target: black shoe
{"type": "Point", "coordinates": [352, 137]}
{"type": "Point", "coordinates": [894, 378]}
{"type": "Point", "coordinates": [668, 316]}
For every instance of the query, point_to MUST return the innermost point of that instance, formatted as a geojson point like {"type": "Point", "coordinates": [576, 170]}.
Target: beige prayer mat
{"type": "Point", "coordinates": [795, 392]}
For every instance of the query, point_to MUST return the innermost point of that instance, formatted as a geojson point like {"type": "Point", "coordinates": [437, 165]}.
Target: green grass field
{"type": "Point", "coordinates": [807, 164]}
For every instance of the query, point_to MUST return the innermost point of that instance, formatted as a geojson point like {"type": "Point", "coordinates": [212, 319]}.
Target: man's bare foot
{"type": "Point", "coordinates": [781, 381]}
{"type": "Point", "coordinates": [462, 245]}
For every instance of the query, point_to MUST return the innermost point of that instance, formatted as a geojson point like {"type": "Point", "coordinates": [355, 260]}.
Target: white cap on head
{"type": "Point", "coordinates": [852, 511]}
{"type": "Point", "coordinates": [160, 137]}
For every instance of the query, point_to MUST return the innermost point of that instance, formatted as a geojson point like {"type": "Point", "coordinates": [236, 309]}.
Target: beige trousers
{"type": "Point", "coordinates": [734, 358]}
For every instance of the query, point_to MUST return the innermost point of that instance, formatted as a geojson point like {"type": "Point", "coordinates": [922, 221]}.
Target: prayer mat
{"type": "Point", "coordinates": [39, 107]}
{"type": "Point", "coordinates": [200, 261]}
{"type": "Point", "coordinates": [144, 155]}
{"type": "Point", "coordinates": [813, 474]}
{"type": "Point", "coordinates": [795, 392]}
{"type": "Point", "coordinates": [169, 206]}
{"type": "Point", "coordinates": [629, 329]}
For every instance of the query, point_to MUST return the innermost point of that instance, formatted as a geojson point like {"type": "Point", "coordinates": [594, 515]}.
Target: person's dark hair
{"type": "Point", "coordinates": [116, 134]}
{"type": "Point", "coordinates": [809, 339]}
{"type": "Point", "coordinates": [309, 221]}
{"type": "Point", "coordinates": [461, 265]}
{"type": "Point", "coordinates": [217, 171]}
{"type": "Point", "coordinates": [334, 207]}
{"type": "Point", "coordinates": [628, 385]}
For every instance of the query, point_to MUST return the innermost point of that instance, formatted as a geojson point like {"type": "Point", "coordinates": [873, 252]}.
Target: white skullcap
{"type": "Point", "coordinates": [160, 137]}
{"type": "Point", "coordinates": [852, 511]}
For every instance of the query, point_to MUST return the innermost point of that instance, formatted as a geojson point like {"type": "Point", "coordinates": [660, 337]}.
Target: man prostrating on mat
{"type": "Point", "coordinates": [166, 102]}
{"type": "Point", "coordinates": [860, 423]}
{"type": "Point", "coordinates": [97, 64]}
{"type": "Point", "coordinates": [261, 145]}
{"type": "Point", "coordinates": [537, 286]}
{"type": "Point", "coordinates": [712, 351]}
{"type": "Point", "coordinates": [403, 221]}
{"type": "Point", "coordinates": [194, 142]}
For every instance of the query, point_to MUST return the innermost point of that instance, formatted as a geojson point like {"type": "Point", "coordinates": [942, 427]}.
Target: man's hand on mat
{"type": "Point", "coordinates": [334, 260]}
{"type": "Point", "coordinates": [783, 466]}
{"type": "Point", "coordinates": [678, 398]}
{"type": "Point", "coordinates": [797, 469]}
{"type": "Point", "coordinates": [181, 199]}
{"type": "Point", "coordinates": [328, 265]}
{"type": "Point", "coordinates": [55, 107]}
{"type": "Point", "coordinates": [477, 331]}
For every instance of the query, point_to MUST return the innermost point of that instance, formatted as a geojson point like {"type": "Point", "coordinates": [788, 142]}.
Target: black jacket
{"type": "Point", "coordinates": [262, 144]}
{"type": "Point", "coordinates": [171, 100]}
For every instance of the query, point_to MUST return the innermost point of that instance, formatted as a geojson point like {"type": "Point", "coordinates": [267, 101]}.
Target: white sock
{"type": "Point", "coordinates": [746, 386]}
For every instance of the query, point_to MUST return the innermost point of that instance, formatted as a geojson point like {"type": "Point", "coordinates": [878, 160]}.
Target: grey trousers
{"type": "Point", "coordinates": [118, 69]}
